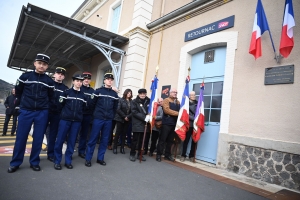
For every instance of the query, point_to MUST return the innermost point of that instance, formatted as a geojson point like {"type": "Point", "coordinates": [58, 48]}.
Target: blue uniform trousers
{"type": "Point", "coordinates": [66, 127]}
{"type": "Point", "coordinates": [53, 119]}
{"type": "Point", "coordinates": [103, 126]}
{"type": "Point", "coordinates": [85, 129]}
{"type": "Point", "coordinates": [25, 120]}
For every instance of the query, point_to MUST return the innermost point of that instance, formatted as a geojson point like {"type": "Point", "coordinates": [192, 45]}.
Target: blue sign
{"type": "Point", "coordinates": [210, 28]}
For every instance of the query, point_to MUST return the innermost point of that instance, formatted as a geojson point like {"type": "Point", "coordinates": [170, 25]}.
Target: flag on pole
{"type": "Point", "coordinates": [259, 27]}
{"type": "Point", "coordinates": [153, 101]}
{"type": "Point", "coordinates": [183, 122]}
{"type": "Point", "coordinates": [199, 117]}
{"type": "Point", "coordinates": [287, 36]}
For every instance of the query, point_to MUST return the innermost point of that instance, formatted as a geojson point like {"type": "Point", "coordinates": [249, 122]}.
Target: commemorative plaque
{"type": "Point", "coordinates": [279, 75]}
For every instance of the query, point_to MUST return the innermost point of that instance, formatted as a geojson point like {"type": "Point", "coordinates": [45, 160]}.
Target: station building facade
{"type": "Point", "coordinates": [252, 128]}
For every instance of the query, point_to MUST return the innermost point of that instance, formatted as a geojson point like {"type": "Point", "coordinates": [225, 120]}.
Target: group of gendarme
{"type": "Point", "coordinates": [45, 103]}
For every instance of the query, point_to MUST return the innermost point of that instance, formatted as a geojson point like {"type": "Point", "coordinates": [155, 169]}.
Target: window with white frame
{"type": "Point", "coordinates": [115, 19]}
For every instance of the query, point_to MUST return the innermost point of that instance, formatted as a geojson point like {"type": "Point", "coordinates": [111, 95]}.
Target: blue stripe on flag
{"type": "Point", "coordinates": [153, 90]}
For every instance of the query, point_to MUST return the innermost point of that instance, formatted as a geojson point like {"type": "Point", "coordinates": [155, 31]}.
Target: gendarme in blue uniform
{"type": "Point", "coordinates": [34, 91]}
{"type": "Point", "coordinates": [105, 102]}
{"type": "Point", "coordinates": [54, 117]}
{"type": "Point", "coordinates": [73, 103]}
{"type": "Point", "coordinates": [87, 118]}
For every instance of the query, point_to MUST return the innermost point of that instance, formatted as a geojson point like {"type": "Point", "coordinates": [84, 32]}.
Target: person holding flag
{"type": "Point", "coordinates": [152, 110]}
{"type": "Point", "coordinates": [199, 118]}
{"type": "Point", "coordinates": [140, 120]}
{"type": "Point", "coordinates": [192, 110]}
{"type": "Point", "coordinates": [182, 124]}
{"type": "Point", "coordinates": [171, 108]}
{"type": "Point", "coordinates": [156, 129]}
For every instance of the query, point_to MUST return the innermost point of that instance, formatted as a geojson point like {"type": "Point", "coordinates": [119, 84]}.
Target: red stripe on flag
{"type": "Point", "coordinates": [286, 43]}
{"type": "Point", "coordinates": [181, 132]}
{"type": "Point", "coordinates": [154, 114]}
{"type": "Point", "coordinates": [200, 124]}
{"type": "Point", "coordinates": [255, 46]}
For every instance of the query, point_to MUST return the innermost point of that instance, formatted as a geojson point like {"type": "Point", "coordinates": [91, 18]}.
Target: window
{"type": "Point", "coordinates": [115, 19]}
{"type": "Point", "coordinates": [209, 56]}
{"type": "Point", "coordinates": [212, 95]}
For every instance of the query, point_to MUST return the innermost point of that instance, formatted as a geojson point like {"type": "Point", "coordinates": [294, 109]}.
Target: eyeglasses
{"type": "Point", "coordinates": [174, 92]}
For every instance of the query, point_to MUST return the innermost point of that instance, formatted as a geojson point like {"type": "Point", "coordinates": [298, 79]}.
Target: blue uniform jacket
{"type": "Point", "coordinates": [88, 91]}
{"type": "Point", "coordinates": [34, 91]}
{"type": "Point", "coordinates": [105, 103]}
{"type": "Point", "coordinates": [59, 88]}
{"type": "Point", "coordinates": [73, 103]}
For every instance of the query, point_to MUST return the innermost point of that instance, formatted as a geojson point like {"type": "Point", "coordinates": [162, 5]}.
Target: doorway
{"type": "Point", "coordinates": [209, 65]}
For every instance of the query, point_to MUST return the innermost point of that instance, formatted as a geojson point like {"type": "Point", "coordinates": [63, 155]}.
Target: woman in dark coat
{"type": "Point", "coordinates": [122, 118]}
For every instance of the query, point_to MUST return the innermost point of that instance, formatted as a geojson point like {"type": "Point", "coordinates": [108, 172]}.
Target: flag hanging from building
{"type": "Point", "coordinates": [199, 117]}
{"type": "Point", "coordinates": [287, 36]}
{"type": "Point", "coordinates": [153, 101]}
{"type": "Point", "coordinates": [183, 122]}
{"type": "Point", "coordinates": [259, 27]}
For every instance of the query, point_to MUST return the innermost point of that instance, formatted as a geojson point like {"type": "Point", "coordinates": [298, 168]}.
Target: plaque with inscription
{"type": "Point", "coordinates": [279, 75]}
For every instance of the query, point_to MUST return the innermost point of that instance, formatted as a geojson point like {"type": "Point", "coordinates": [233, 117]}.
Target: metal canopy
{"type": "Point", "coordinates": [68, 42]}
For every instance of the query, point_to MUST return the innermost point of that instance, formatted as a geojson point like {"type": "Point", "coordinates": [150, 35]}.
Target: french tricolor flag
{"type": "Point", "coordinates": [287, 36]}
{"type": "Point", "coordinates": [153, 101]}
{"type": "Point", "coordinates": [199, 117]}
{"type": "Point", "coordinates": [259, 27]}
{"type": "Point", "coordinates": [183, 120]}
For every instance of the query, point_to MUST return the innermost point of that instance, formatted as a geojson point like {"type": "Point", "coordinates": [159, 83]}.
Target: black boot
{"type": "Point", "coordinates": [115, 151]}
{"type": "Point", "coordinates": [122, 150]}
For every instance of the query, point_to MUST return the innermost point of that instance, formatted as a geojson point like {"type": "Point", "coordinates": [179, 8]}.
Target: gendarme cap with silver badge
{"type": "Point", "coordinates": [77, 77]}
{"type": "Point", "coordinates": [60, 70]}
{"type": "Point", "coordinates": [109, 75]}
{"type": "Point", "coordinates": [42, 57]}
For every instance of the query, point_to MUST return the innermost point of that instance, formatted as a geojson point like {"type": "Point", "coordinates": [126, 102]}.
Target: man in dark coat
{"type": "Point", "coordinates": [10, 105]}
{"type": "Point", "coordinates": [140, 118]}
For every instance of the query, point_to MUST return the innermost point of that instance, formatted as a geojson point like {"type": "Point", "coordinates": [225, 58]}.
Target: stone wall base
{"type": "Point", "coordinates": [271, 166]}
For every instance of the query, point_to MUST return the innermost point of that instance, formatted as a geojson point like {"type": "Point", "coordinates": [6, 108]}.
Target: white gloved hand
{"type": "Point", "coordinates": [147, 118]}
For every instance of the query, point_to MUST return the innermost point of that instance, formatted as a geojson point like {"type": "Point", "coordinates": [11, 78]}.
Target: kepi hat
{"type": "Point", "coordinates": [108, 75]}
{"type": "Point", "coordinates": [42, 57]}
{"type": "Point", "coordinates": [87, 75]}
{"type": "Point", "coordinates": [77, 77]}
{"type": "Point", "coordinates": [60, 70]}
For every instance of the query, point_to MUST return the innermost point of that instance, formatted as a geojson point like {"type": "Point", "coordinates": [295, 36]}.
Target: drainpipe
{"type": "Point", "coordinates": [162, 7]}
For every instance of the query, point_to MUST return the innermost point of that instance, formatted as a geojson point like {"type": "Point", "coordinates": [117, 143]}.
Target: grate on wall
{"type": "Point", "coordinates": [209, 56]}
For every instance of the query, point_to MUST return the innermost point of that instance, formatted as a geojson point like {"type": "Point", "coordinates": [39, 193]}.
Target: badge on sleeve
{"type": "Point", "coordinates": [92, 96]}
{"type": "Point", "coordinates": [17, 83]}
{"type": "Point", "coordinates": [61, 99]}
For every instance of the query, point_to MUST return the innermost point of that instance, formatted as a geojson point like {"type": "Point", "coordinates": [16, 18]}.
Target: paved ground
{"type": "Point", "coordinates": [120, 179]}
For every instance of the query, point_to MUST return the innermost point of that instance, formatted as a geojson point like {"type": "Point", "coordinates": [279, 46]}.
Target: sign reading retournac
{"type": "Point", "coordinates": [210, 28]}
